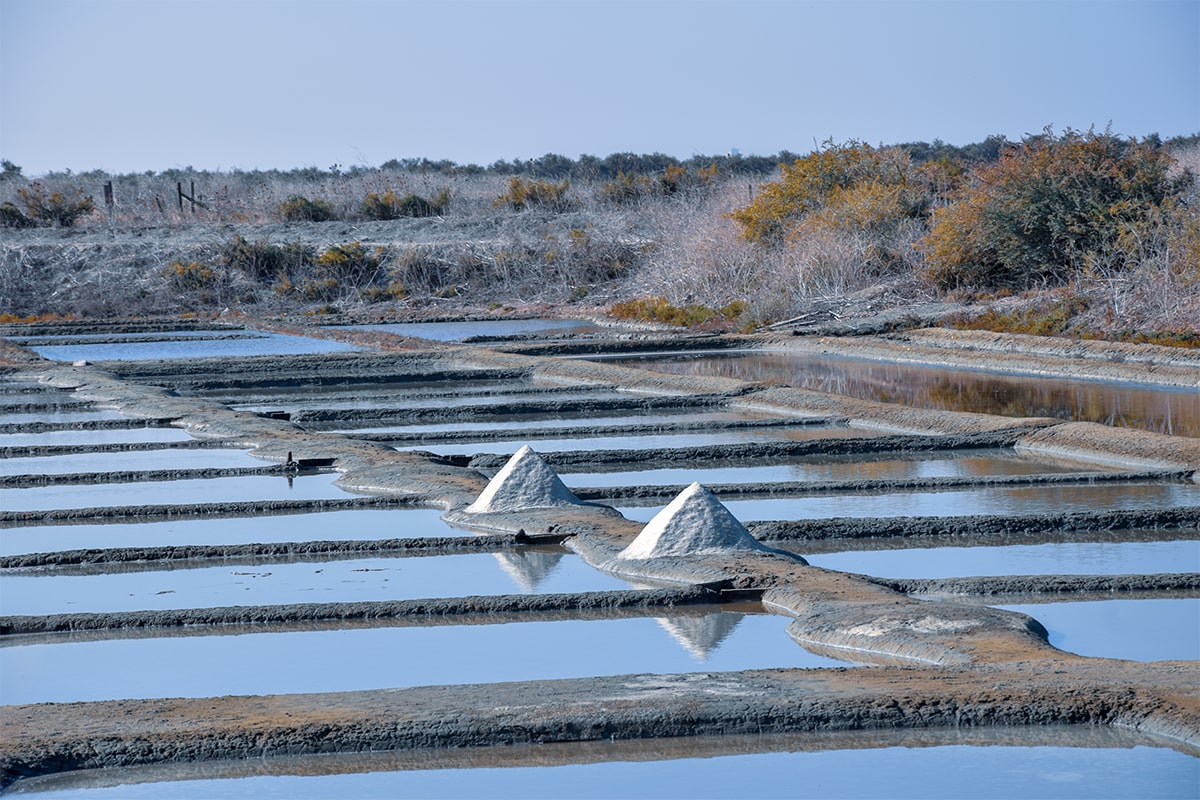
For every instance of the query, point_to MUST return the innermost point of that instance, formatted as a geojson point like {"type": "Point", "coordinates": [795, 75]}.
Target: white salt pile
{"type": "Point", "coordinates": [524, 482]}
{"type": "Point", "coordinates": [694, 522]}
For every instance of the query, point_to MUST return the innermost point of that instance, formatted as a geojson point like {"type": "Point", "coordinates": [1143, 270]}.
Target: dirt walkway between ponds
{"type": "Point", "coordinates": [1157, 699]}
{"type": "Point", "coordinates": [429, 611]}
{"type": "Point", "coordinates": [946, 663]}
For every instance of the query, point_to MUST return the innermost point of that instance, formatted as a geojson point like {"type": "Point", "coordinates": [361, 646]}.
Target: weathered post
{"type": "Point", "coordinates": [109, 203]}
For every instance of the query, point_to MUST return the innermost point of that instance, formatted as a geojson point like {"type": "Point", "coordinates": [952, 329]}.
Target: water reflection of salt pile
{"type": "Point", "coordinates": [528, 568]}
{"type": "Point", "coordinates": [701, 636]}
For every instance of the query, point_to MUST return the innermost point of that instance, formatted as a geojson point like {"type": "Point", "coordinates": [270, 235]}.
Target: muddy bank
{"type": "Point", "coordinates": [804, 488]}
{"type": "Point", "coordinates": [839, 441]}
{"type": "Point", "coordinates": [427, 610]}
{"type": "Point", "coordinates": [333, 547]}
{"type": "Point", "coordinates": [550, 754]}
{"type": "Point", "coordinates": [132, 476]}
{"type": "Point", "coordinates": [1185, 584]}
{"type": "Point", "coordinates": [69, 736]}
{"type": "Point", "coordinates": [199, 510]}
{"type": "Point", "coordinates": [36, 450]}
{"type": "Point", "coordinates": [1187, 519]}
{"type": "Point", "coordinates": [86, 425]}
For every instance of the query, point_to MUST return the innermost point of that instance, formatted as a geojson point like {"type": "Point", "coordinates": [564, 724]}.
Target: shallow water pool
{"type": "Point", "coordinates": [188, 490]}
{"type": "Point", "coordinates": [1006, 500]}
{"type": "Point", "coordinates": [458, 331]}
{"type": "Point", "coordinates": [365, 524]}
{"type": "Point", "coordinates": [267, 582]}
{"type": "Point", "coordinates": [1166, 410]}
{"type": "Point", "coordinates": [1135, 630]}
{"type": "Point", "coordinates": [1115, 772]}
{"type": "Point", "coordinates": [375, 658]}
{"type": "Point", "coordinates": [637, 441]}
{"type": "Point", "coordinates": [838, 468]}
{"type": "Point", "coordinates": [261, 344]}
{"type": "Point", "coordinates": [1059, 558]}
{"type": "Point", "coordinates": [132, 460]}
{"type": "Point", "coordinates": [115, 436]}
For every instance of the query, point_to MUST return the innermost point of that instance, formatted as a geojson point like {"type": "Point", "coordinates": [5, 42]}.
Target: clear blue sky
{"type": "Point", "coordinates": [134, 85]}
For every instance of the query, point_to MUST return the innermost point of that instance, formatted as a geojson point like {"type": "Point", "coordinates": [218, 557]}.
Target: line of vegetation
{"type": "Point", "coordinates": [1078, 233]}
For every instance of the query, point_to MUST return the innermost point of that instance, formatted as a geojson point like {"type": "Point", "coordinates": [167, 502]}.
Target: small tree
{"type": "Point", "coordinates": [55, 208]}
{"type": "Point", "coordinates": [1046, 208]}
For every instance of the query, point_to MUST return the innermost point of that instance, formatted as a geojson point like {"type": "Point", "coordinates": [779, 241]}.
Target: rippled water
{"type": "Point", "coordinates": [1172, 411]}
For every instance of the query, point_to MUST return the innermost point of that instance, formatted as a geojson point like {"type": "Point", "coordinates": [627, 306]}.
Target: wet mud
{"type": "Point", "coordinates": [951, 663]}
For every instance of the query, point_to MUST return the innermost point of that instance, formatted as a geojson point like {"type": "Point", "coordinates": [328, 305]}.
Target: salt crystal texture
{"type": "Point", "coordinates": [524, 482]}
{"type": "Point", "coordinates": [694, 522]}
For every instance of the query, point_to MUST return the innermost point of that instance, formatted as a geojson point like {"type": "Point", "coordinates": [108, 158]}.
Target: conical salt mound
{"type": "Point", "coordinates": [524, 482]}
{"type": "Point", "coordinates": [694, 522]}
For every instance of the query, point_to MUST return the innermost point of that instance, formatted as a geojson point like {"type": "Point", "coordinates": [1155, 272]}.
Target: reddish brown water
{"type": "Point", "coordinates": [1171, 411]}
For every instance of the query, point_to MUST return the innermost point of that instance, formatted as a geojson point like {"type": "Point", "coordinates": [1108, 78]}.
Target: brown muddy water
{"type": "Point", "coordinates": [1174, 412]}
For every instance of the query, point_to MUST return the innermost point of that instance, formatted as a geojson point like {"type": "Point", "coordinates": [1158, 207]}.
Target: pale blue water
{"type": "Point", "coordinates": [132, 460]}
{"type": "Point", "coordinates": [367, 524]}
{"type": "Point", "coordinates": [1010, 500]}
{"type": "Point", "coordinates": [457, 331]}
{"type": "Point", "coordinates": [93, 437]}
{"type": "Point", "coordinates": [376, 658]}
{"type": "Point", "coordinates": [344, 581]}
{"type": "Point", "coordinates": [953, 772]}
{"type": "Point", "coordinates": [188, 490]}
{"type": "Point", "coordinates": [836, 468]}
{"type": "Point", "coordinates": [265, 344]}
{"type": "Point", "coordinates": [1059, 558]}
{"type": "Point", "coordinates": [1135, 630]}
{"type": "Point", "coordinates": [51, 414]}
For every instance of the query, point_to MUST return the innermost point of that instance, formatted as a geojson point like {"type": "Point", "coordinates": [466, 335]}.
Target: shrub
{"type": "Point", "coordinates": [1047, 208]}
{"type": "Point", "coordinates": [863, 184]}
{"type": "Point", "coordinates": [264, 261]}
{"type": "Point", "coordinates": [191, 277]}
{"type": "Point", "coordinates": [659, 309]}
{"type": "Point", "coordinates": [55, 208]}
{"type": "Point", "coordinates": [389, 206]}
{"type": "Point", "coordinates": [524, 194]}
{"type": "Point", "coordinates": [298, 208]}
{"type": "Point", "coordinates": [13, 217]}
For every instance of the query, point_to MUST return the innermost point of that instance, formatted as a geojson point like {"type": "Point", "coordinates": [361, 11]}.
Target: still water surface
{"type": "Point", "coordinates": [1172, 411]}
{"type": "Point", "coordinates": [898, 773]}
{"type": "Point", "coordinates": [376, 658]}
{"type": "Point", "coordinates": [188, 490]}
{"type": "Point", "coordinates": [861, 467]}
{"type": "Point", "coordinates": [365, 524]}
{"type": "Point", "coordinates": [263, 344]}
{"type": "Point", "coordinates": [177, 458]}
{"type": "Point", "coordinates": [1136, 630]}
{"type": "Point", "coordinates": [271, 583]}
{"type": "Point", "coordinates": [1006, 500]}
{"type": "Point", "coordinates": [1058, 558]}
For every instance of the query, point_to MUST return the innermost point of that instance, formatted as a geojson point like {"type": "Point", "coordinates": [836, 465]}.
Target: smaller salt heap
{"type": "Point", "coordinates": [525, 482]}
{"type": "Point", "coordinates": [694, 522]}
